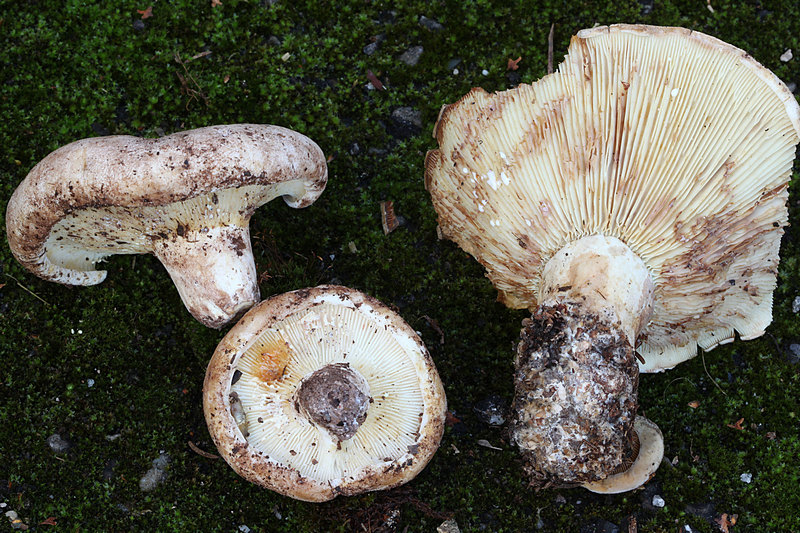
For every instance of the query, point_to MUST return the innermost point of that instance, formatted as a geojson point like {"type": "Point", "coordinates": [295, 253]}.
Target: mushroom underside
{"type": "Point", "coordinates": [336, 394]}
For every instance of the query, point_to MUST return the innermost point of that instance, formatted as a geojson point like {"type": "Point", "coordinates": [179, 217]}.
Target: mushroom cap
{"type": "Point", "coordinates": [250, 395]}
{"type": "Point", "coordinates": [122, 195]}
{"type": "Point", "coordinates": [651, 451]}
{"type": "Point", "coordinates": [674, 142]}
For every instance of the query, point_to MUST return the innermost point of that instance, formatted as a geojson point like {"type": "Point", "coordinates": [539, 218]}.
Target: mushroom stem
{"type": "Point", "coordinates": [576, 371]}
{"type": "Point", "coordinates": [335, 397]}
{"type": "Point", "coordinates": [213, 270]}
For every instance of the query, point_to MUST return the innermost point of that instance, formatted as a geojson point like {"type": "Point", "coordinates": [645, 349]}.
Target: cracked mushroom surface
{"type": "Point", "coordinates": [634, 200]}
{"type": "Point", "coordinates": [321, 392]}
{"type": "Point", "coordinates": [186, 198]}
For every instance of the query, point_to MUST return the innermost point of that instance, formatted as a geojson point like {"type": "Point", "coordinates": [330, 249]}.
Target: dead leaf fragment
{"type": "Point", "coordinates": [146, 13]}
{"type": "Point", "coordinates": [694, 404]}
{"type": "Point", "coordinates": [513, 64]}
{"type": "Point", "coordinates": [373, 79]}
{"type": "Point", "coordinates": [388, 218]}
{"type": "Point", "coordinates": [450, 419]}
{"type": "Point", "coordinates": [215, 3]}
{"type": "Point", "coordinates": [49, 521]}
{"type": "Point", "coordinates": [486, 444]}
{"type": "Point", "coordinates": [737, 425]}
{"type": "Point", "coordinates": [725, 521]}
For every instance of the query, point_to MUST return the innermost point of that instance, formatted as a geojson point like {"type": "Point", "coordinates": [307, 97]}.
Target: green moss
{"type": "Point", "coordinates": [77, 70]}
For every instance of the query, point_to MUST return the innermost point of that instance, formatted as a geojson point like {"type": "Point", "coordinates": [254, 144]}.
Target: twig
{"type": "Point", "coordinates": [673, 381]}
{"type": "Point", "coordinates": [550, 49]}
{"type": "Point", "coordinates": [204, 453]}
{"type": "Point", "coordinates": [26, 289]}
{"type": "Point", "coordinates": [194, 94]}
{"type": "Point", "coordinates": [709, 375]}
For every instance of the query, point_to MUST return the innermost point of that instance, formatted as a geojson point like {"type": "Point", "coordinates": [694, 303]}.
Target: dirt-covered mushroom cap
{"type": "Point", "coordinates": [186, 198]}
{"type": "Point", "coordinates": [321, 392]}
{"type": "Point", "coordinates": [637, 194]}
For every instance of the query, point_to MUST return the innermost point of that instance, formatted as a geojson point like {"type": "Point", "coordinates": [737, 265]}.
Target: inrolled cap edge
{"type": "Point", "coordinates": [651, 451]}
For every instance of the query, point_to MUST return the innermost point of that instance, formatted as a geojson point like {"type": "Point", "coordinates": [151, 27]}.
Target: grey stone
{"type": "Point", "coordinates": [491, 410]}
{"type": "Point", "coordinates": [406, 122]}
{"type": "Point", "coordinates": [58, 444]}
{"type": "Point", "coordinates": [411, 56]}
{"type": "Point", "coordinates": [371, 48]}
{"type": "Point", "coordinates": [156, 475]}
{"type": "Point", "coordinates": [796, 305]}
{"type": "Point", "coordinates": [430, 24]}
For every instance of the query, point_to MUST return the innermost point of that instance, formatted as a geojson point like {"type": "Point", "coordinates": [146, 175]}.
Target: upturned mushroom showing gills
{"type": "Point", "coordinates": [321, 392]}
{"type": "Point", "coordinates": [634, 201]}
{"type": "Point", "coordinates": [186, 198]}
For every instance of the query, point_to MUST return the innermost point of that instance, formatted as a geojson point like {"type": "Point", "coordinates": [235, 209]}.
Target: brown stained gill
{"type": "Point", "coordinates": [574, 407]}
{"type": "Point", "coordinates": [334, 397]}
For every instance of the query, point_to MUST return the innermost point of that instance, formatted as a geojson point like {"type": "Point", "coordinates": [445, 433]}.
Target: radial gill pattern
{"type": "Point", "coordinates": [276, 362]}
{"type": "Point", "coordinates": [672, 141]}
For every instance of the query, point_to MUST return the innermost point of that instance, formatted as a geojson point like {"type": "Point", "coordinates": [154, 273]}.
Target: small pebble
{"type": "Point", "coordinates": [411, 56]}
{"type": "Point", "coordinates": [57, 443]}
{"type": "Point", "coordinates": [455, 72]}
{"type": "Point", "coordinates": [796, 305]}
{"type": "Point", "coordinates": [156, 475]}
{"type": "Point", "coordinates": [786, 56]}
{"type": "Point", "coordinates": [371, 48]}
{"type": "Point", "coordinates": [746, 477]}
{"type": "Point", "coordinates": [448, 526]}
{"type": "Point", "coordinates": [491, 410]}
{"type": "Point", "coordinates": [406, 122]}
{"type": "Point", "coordinates": [90, 382]}
{"type": "Point", "coordinates": [485, 72]}
{"type": "Point", "coordinates": [658, 501]}
{"type": "Point", "coordinates": [430, 24]}
{"type": "Point", "coordinates": [244, 529]}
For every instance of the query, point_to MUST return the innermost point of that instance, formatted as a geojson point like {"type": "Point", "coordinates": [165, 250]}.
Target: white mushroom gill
{"type": "Point", "coordinates": [694, 184]}
{"type": "Point", "coordinates": [667, 144]}
{"type": "Point", "coordinates": [328, 335]}
{"type": "Point", "coordinates": [203, 242]}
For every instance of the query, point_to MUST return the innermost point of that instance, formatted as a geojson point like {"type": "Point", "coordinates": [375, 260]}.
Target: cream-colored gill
{"type": "Point", "coordinates": [132, 230]}
{"type": "Point", "coordinates": [329, 334]}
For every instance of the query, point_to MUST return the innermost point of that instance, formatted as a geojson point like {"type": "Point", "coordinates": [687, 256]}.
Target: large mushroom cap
{"type": "Point", "coordinates": [675, 143]}
{"type": "Point", "coordinates": [186, 198]}
{"type": "Point", "coordinates": [321, 392]}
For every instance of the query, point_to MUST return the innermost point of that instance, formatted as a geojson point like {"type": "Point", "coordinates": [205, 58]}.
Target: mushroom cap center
{"type": "Point", "coordinates": [335, 397]}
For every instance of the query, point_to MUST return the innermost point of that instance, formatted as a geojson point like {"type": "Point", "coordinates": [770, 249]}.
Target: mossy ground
{"type": "Point", "coordinates": [73, 70]}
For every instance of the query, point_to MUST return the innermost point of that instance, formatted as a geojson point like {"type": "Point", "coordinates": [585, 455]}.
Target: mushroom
{"type": "Point", "coordinates": [324, 391]}
{"type": "Point", "coordinates": [634, 201]}
{"type": "Point", "coordinates": [186, 198]}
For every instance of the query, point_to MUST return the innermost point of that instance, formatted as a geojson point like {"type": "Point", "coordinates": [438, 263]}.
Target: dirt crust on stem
{"type": "Point", "coordinates": [576, 381]}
